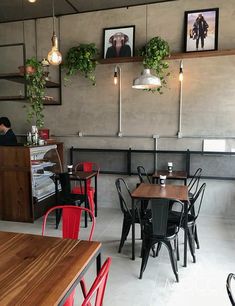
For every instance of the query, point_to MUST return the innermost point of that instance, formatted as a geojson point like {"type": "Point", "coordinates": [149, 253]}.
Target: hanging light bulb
{"type": "Point", "coordinates": [54, 57]}
{"type": "Point", "coordinates": [181, 75]}
{"type": "Point", "coordinates": [115, 76]}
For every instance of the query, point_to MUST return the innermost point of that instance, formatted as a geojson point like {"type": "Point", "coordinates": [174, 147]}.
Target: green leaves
{"type": "Point", "coordinates": [154, 53]}
{"type": "Point", "coordinates": [81, 59]}
{"type": "Point", "coordinates": [35, 93]}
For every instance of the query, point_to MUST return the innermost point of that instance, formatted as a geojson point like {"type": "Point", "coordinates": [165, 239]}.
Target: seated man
{"type": "Point", "coordinates": [7, 136]}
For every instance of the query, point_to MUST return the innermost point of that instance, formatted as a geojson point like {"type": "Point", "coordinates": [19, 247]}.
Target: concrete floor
{"type": "Point", "coordinates": [202, 283]}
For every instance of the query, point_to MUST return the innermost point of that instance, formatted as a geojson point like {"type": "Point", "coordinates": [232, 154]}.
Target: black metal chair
{"type": "Point", "coordinates": [160, 230]}
{"type": "Point", "coordinates": [193, 188]}
{"type": "Point", "coordinates": [230, 277]}
{"type": "Point", "coordinates": [194, 183]}
{"type": "Point", "coordinates": [143, 175]}
{"type": "Point", "coordinates": [143, 178]}
{"type": "Point", "coordinates": [124, 195]}
{"type": "Point", "coordinates": [193, 213]}
{"type": "Point", "coordinates": [65, 196]}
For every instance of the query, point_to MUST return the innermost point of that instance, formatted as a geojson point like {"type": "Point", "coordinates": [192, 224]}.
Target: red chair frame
{"type": "Point", "coordinates": [71, 220]}
{"type": "Point", "coordinates": [99, 285]}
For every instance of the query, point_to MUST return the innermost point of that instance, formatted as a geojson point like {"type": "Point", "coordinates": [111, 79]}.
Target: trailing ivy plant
{"type": "Point", "coordinates": [154, 54]}
{"type": "Point", "coordinates": [81, 59]}
{"type": "Point", "coordinates": [35, 93]}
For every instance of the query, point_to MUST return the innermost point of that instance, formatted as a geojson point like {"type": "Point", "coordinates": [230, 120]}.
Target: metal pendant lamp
{"type": "Point", "coordinates": [54, 57]}
{"type": "Point", "coordinates": [146, 80]}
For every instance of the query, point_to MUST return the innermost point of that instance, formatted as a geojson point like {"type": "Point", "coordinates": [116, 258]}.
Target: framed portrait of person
{"type": "Point", "coordinates": [201, 30]}
{"type": "Point", "coordinates": [119, 42]}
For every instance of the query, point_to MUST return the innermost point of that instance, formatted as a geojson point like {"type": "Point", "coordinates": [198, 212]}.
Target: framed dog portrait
{"type": "Point", "coordinates": [119, 42]}
{"type": "Point", "coordinates": [201, 30]}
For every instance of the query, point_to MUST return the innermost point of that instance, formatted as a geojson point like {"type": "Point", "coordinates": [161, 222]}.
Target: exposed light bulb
{"type": "Point", "coordinates": [181, 75]}
{"type": "Point", "coordinates": [54, 57]}
{"type": "Point", "coordinates": [115, 76]}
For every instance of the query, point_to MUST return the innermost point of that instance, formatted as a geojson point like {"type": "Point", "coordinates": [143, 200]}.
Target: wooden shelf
{"type": "Point", "coordinates": [120, 60]}
{"type": "Point", "coordinates": [12, 98]}
{"type": "Point", "coordinates": [174, 56]}
{"type": "Point", "coordinates": [18, 78]}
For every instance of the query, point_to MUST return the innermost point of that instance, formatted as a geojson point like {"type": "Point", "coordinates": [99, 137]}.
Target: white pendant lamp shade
{"type": "Point", "coordinates": [146, 81]}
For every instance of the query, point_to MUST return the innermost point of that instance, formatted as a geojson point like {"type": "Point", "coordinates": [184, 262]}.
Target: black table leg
{"type": "Point", "coordinates": [98, 263]}
{"type": "Point", "coordinates": [185, 231]}
{"type": "Point", "coordinates": [57, 212]}
{"type": "Point", "coordinates": [133, 228]}
{"type": "Point", "coordinates": [86, 203]}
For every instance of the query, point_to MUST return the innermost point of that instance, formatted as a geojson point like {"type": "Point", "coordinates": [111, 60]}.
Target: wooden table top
{"type": "Point", "coordinates": [153, 191]}
{"type": "Point", "coordinates": [37, 270]}
{"type": "Point", "coordinates": [170, 175]}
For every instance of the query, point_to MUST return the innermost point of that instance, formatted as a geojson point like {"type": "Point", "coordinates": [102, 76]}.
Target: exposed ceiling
{"type": "Point", "coordinates": [14, 10]}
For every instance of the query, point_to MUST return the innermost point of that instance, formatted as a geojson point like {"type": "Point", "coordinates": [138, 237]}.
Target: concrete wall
{"type": "Point", "coordinates": [208, 90]}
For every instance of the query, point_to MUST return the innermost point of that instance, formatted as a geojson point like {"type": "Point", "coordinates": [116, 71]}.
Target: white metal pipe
{"type": "Point", "coordinates": [180, 102]}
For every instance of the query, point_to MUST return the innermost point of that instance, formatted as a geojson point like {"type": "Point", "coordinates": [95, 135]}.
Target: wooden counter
{"type": "Point", "coordinates": [16, 200]}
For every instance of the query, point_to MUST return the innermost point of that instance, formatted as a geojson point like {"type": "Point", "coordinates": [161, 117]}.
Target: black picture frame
{"type": "Point", "coordinates": [201, 30]}
{"type": "Point", "coordinates": [125, 34]}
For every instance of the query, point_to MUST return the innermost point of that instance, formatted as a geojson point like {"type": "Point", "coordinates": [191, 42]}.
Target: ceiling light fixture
{"type": "Point", "coordinates": [146, 80]}
{"type": "Point", "coordinates": [32, 1]}
{"type": "Point", "coordinates": [54, 56]}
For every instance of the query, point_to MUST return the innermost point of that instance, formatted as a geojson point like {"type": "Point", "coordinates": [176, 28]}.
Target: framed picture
{"type": "Point", "coordinates": [201, 30]}
{"type": "Point", "coordinates": [119, 42]}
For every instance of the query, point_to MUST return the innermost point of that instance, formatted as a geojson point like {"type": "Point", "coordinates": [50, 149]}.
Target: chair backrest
{"type": "Point", "coordinates": [196, 201]}
{"type": "Point", "coordinates": [124, 195]}
{"type": "Point", "coordinates": [143, 175]}
{"type": "Point", "coordinates": [160, 215]}
{"type": "Point", "coordinates": [71, 219]}
{"type": "Point", "coordinates": [65, 184]}
{"type": "Point", "coordinates": [228, 286]}
{"type": "Point", "coordinates": [194, 182]}
{"type": "Point", "coordinates": [87, 167]}
{"type": "Point", "coordinates": [99, 285]}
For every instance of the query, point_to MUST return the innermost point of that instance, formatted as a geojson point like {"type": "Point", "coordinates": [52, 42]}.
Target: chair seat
{"type": "Point", "coordinates": [174, 218]}
{"type": "Point", "coordinates": [72, 198]}
{"type": "Point", "coordinates": [170, 234]}
{"type": "Point", "coordinates": [81, 190]}
{"type": "Point", "coordinates": [90, 193]}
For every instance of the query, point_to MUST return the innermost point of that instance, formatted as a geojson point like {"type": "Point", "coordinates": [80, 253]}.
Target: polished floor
{"type": "Point", "coordinates": [201, 283]}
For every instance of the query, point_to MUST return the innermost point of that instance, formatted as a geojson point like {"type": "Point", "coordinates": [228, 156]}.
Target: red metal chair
{"type": "Point", "coordinates": [71, 219]}
{"type": "Point", "coordinates": [99, 285]}
{"type": "Point", "coordinates": [87, 167]}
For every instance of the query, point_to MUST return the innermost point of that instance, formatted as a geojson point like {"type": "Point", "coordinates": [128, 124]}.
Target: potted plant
{"type": "Point", "coordinates": [35, 92]}
{"type": "Point", "coordinates": [31, 65]}
{"type": "Point", "coordinates": [81, 59]}
{"type": "Point", "coordinates": [154, 54]}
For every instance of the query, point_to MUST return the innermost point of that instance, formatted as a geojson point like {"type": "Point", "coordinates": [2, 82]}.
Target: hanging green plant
{"type": "Point", "coordinates": [35, 92]}
{"type": "Point", "coordinates": [154, 54]}
{"type": "Point", "coordinates": [81, 59]}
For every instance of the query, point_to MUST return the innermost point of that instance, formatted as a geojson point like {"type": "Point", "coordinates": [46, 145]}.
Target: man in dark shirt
{"type": "Point", "coordinates": [7, 136]}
